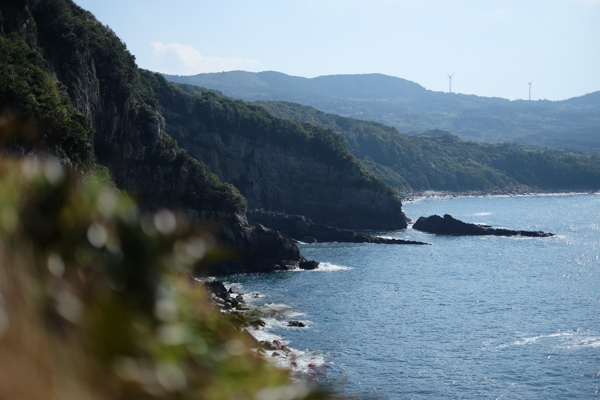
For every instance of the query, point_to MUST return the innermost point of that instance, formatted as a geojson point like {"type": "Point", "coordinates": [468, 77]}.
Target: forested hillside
{"type": "Point", "coordinates": [439, 161]}
{"type": "Point", "coordinates": [69, 87]}
{"type": "Point", "coordinates": [278, 164]}
{"type": "Point", "coordinates": [410, 108]}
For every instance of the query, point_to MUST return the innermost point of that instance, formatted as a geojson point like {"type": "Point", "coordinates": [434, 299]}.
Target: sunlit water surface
{"type": "Point", "coordinates": [468, 317]}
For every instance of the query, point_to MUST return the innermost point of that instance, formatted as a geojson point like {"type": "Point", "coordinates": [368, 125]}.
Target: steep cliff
{"type": "Point", "coordinates": [278, 164]}
{"type": "Point", "coordinates": [79, 56]}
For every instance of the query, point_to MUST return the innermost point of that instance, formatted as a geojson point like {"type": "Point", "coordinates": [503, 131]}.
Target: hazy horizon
{"type": "Point", "coordinates": [493, 48]}
{"type": "Point", "coordinates": [369, 73]}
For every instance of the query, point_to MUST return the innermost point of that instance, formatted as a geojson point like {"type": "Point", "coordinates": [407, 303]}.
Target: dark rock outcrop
{"type": "Point", "coordinates": [449, 225]}
{"type": "Point", "coordinates": [255, 249]}
{"type": "Point", "coordinates": [309, 265]}
{"type": "Point", "coordinates": [220, 296]}
{"type": "Point", "coordinates": [303, 229]}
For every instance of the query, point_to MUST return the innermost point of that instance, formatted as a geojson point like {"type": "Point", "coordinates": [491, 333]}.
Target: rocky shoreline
{"type": "Point", "coordinates": [232, 301]}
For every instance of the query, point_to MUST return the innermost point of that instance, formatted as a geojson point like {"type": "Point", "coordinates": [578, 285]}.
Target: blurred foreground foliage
{"type": "Point", "coordinates": [96, 301]}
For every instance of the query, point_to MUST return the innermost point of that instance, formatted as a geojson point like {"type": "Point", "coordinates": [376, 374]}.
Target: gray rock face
{"type": "Point", "coordinates": [281, 180]}
{"type": "Point", "coordinates": [256, 249]}
{"type": "Point", "coordinates": [449, 225]}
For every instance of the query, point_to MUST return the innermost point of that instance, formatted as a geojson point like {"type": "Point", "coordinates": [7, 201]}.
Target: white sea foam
{"type": "Point", "coordinates": [297, 360]}
{"type": "Point", "coordinates": [328, 267]}
{"type": "Point", "coordinates": [324, 267]}
{"type": "Point", "coordinates": [567, 340]}
{"type": "Point", "coordinates": [277, 316]}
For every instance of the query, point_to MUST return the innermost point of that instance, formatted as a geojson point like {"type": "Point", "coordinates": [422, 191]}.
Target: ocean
{"type": "Point", "coordinates": [467, 317]}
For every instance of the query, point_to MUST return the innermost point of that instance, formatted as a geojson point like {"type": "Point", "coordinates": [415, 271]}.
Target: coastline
{"type": "Point", "coordinates": [409, 197]}
{"type": "Point", "coordinates": [259, 319]}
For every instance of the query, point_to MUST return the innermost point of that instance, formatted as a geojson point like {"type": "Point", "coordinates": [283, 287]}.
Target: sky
{"type": "Point", "coordinates": [493, 47]}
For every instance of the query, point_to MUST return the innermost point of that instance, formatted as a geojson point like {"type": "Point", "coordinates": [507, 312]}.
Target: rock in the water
{"type": "Point", "coordinates": [265, 344]}
{"type": "Point", "coordinates": [234, 290]}
{"type": "Point", "coordinates": [281, 346]}
{"type": "Point", "coordinates": [309, 265]}
{"type": "Point", "coordinates": [296, 324]}
{"type": "Point", "coordinates": [449, 225]}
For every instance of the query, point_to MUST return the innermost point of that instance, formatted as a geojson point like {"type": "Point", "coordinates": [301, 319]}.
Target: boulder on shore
{"type": "Point", "coordinates": [449, 225]}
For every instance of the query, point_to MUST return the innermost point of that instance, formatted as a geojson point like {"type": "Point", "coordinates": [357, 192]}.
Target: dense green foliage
{"type": "Point", "coordinates": [209, 111]}
{"type": "Point", "coordinates": [206, 191]}
{"type": "Point", "coordinates": [409, 107]}
{"type": "Point", "coordinates": [75, 43]}
{"type": "Point", "coordinates": [35, 112]}
{"type": "Point", "coordinates": [440, 161]}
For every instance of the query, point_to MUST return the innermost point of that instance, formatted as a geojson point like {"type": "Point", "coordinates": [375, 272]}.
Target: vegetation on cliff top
{"type": "Point", "coordinates": [440, 161]}
{"type": "Point", "coordinates": [206, 192]}
{"type": "Point", "coordinates": [35, 112]}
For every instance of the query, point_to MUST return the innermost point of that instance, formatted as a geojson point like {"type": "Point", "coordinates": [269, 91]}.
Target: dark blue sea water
{"type": "Point", "coordinates": [468, 317]}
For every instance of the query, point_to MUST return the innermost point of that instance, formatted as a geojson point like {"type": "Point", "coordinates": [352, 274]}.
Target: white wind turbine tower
{"type": "Point", "coordinates": [450, 84]}
{"type": "Point", "coordinates": [530, 82]}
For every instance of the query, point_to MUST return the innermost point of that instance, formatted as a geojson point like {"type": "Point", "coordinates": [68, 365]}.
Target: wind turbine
{"type": "Point", "coordinates": [450, 78]}
{"type": "Point", "coordinates": [530, 82]}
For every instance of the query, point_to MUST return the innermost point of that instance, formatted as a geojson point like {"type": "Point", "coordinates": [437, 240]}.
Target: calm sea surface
{"type": "Point", "coordinates": [468, 317]}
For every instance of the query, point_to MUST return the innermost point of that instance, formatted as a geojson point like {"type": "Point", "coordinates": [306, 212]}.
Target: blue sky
{"type": "Point", "coordinates": [493, 46]}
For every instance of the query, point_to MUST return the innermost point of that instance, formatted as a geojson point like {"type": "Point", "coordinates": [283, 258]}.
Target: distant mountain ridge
{"type": "Point", "coordinates": [412, 109]}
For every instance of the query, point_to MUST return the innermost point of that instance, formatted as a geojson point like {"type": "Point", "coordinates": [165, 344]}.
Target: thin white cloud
{"type": "Point", "coordinates": [177, 59]}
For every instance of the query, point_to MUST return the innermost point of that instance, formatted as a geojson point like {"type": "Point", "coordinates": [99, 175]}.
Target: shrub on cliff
{"type": "Point", "coordinates": [35, 112]}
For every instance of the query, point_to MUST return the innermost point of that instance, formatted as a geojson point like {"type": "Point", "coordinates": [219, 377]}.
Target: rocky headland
{"type": "Point", "coordinates": [449, 225]}
{"type": "Point", "coordinates": [303, 229]}
{"type": "Point", "coordinates": [255, 248]}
